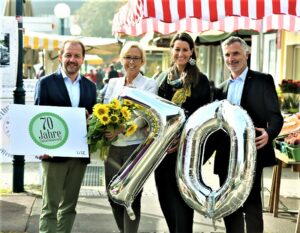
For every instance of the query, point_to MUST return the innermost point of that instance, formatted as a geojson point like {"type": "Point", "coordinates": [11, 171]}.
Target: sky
{"type": "Point", "coordinates": [41, 7]}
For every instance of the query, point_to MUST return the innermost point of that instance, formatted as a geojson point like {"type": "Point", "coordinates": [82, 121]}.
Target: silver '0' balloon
{"type": "Point", "coordinates": [219, 115]}
{"type": "Point", "coordinates": [164, 120]}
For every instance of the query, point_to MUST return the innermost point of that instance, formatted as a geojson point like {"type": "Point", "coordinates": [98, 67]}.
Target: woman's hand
{"type": "Point", "coordinates": [112, 134]}
{"type": "Point", "coordinates": [44, 156]}
{"type": "Point", "coordinates": [88, 115]}
{"type": "Point", "coordinates": [174, 145]}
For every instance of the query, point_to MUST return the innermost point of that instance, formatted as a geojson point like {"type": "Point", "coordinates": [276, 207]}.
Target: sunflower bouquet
{"type": "Point", "coordinates": [114, 116]}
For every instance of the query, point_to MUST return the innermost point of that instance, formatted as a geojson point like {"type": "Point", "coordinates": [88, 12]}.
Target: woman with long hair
{"type": "Point", "coordinates": [187, 87]}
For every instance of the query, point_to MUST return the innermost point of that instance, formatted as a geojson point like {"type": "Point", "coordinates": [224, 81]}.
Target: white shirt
{"type": "Point", "coordinates": [73, 88]}
{"type": "Point", "coordinates": [114, 89]}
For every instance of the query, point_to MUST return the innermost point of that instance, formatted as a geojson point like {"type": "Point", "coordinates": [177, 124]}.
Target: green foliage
{"type": "Point", "coordinates": [113, 117]}
{"type": "Point", "coordinates": [290, 103]}
{"type": "Point", "coordinates": [95, 17]}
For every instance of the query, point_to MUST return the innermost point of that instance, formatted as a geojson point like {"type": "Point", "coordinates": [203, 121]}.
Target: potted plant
{"type": "Point", "coordinates": [289, 95]}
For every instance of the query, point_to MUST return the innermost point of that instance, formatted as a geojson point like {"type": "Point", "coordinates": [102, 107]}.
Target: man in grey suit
{"type": "Point", "coordinates": [255, 92]}
{"type": "Point", "coordinates": [62, 176]}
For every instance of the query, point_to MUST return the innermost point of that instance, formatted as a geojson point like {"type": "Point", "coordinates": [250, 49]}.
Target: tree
{"type": "Point", "coordinates": [95, 17]}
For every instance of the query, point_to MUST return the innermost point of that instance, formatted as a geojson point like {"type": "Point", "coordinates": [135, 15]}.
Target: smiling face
{"type": "Point", "coordinates": [235, 58]}
{"type": "Point", "coordinates": [132, 62]}
{"type": "Point", "coordinates": [181, 53]}
{"type": "Point", "coordinates": [71, 58]}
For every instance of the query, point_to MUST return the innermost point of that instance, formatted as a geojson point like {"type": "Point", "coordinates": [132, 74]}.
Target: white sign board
{"type": "Point", "coordinates": [55, 131]}
{"type": "Point", "coordinates": [8, 52]}
{"type": "Point", "coordinates": [4, 124]}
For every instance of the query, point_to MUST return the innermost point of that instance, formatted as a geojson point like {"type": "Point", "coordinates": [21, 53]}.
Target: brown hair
{"type": "Point", "coordinates": [191, 70]}
{"type": "Point", "coordinates": [73, 42]}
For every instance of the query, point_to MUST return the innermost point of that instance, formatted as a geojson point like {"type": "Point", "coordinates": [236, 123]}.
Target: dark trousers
{"type": "Point", "coordinates": [116, 158]}
{"type": "Point", "coordinates": [250, 213]}
{"type": "Point", "coordinates": [178, 215]}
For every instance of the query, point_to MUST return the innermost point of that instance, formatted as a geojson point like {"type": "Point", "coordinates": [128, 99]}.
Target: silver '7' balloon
{"type": "Point", "coordinates": [164, 120]}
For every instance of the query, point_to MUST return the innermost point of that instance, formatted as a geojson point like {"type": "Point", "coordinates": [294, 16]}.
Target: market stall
{"type": "Point", "coordinates": [138, 17]}
{"type": "Point", "coordinates": [203, 19]}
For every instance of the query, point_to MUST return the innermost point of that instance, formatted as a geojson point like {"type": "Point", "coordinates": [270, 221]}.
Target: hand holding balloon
{"type": "Point", "coordinates": [261, 140]}
{"type": "Point", "coordinates": [164, 120]}
{"type": "Point", "coordinates": [232, 119]}
{"type": "Point", "coordinates": [174, 145]}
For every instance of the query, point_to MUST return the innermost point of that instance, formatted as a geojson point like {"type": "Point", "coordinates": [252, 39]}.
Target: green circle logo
{"type": "Point", "coordinates": [48, 130]}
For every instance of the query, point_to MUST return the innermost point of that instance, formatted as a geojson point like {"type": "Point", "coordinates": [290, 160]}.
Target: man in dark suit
{"type": "Point", "coordinates": [255, 92]}
{"type": "Point", "coordinates": [62, 176]}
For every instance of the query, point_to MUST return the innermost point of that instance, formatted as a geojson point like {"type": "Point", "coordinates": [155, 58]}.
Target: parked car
{"type": "Point", "coordinates": [4, 55]}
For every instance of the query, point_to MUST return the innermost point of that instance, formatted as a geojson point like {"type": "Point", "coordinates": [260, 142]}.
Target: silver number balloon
{"type": "Point", "coordinates": [165, 120]}
{"type": "Point", "coordinates": [200, 125]}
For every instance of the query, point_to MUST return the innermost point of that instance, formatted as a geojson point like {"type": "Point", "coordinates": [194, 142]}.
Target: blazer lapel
{"type": "Point", "coordinates": [62, 87]}
{"type": "Point", "coordinates": [246, 88]}
{"type": "Point", "coordinates": [83, 90]}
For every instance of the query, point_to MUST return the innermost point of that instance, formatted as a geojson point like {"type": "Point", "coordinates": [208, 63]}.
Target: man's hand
{"type": "Point", "coordinates": [261, 140]}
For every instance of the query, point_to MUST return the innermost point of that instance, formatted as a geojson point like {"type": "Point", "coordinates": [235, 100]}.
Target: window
{"type": "Point", "coordinates": [296, 62]}
{"type": "Point", "coordinates": [292, 62]}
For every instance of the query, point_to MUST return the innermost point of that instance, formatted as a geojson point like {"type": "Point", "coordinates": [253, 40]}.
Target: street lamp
{"type": "Point", "coordinates": [62, 11]}
{"type": "Point", "coordinates": [75, 30]}
{"type": "Point", "coordinates": [19, 98]}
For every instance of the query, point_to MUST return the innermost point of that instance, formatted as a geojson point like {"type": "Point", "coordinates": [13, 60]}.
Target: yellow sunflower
{"type": "Point", "coordinates": [127, 102]}
{"type": "Point", "coordinates": [100, 109]}
{"type": "Point", "coordinates": [115, 104]}
{"type": "Point", "coordinates": [126, 113]}
{"type": "Point", "coordinates": [131, 129]}
{"type": "Point", "coordinates": [137, 106]}
{"type": "Point", "coordinates": [104, 119]}
{"type": "Point", "coordinates": [114, 118]}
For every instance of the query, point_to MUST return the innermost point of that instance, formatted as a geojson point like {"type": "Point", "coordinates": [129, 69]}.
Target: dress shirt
{"type": "Point", "coordinates": [73, 88]}
{"type": "Point", "coordinates": [235, 88]}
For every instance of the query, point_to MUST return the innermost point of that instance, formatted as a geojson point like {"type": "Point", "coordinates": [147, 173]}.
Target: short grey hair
{"type": "Point", "coordinates": [133, 44]}
{"type": "Point", "coordinates": [234, 39]}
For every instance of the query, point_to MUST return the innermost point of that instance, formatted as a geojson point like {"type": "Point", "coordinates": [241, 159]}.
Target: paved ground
{"type": "Point", "coordinates": [20, 212]}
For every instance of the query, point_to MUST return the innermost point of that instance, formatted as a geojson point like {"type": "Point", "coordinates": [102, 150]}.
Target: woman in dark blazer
{"type": "Point", "coordinates": [188, 88]}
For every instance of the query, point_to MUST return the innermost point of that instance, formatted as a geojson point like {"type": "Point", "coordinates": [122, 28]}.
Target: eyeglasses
{"type": "Point", "coordinates": [134, 59]}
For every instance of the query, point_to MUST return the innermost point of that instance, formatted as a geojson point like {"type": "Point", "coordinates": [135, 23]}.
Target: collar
{"type": "Point", "coordinates": [137, 81]}
{"type": "Point", "coordinates": [65, 76]}
{"type": "Point", "coordinates": [241, 77]}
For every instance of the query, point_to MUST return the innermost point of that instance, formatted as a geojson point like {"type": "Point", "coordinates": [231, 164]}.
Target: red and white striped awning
{"type": "Point", "coordinates": [169, 16]}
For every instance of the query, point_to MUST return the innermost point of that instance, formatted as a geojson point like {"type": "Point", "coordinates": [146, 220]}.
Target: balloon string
{"type": "Point", "coordinates": [130, 213]}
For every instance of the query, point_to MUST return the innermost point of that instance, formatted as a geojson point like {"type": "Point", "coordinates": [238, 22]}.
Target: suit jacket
{"type": "Point", "coordinates": [52, 91]}
{"type": "Point", "coordinates": [260, 100]}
